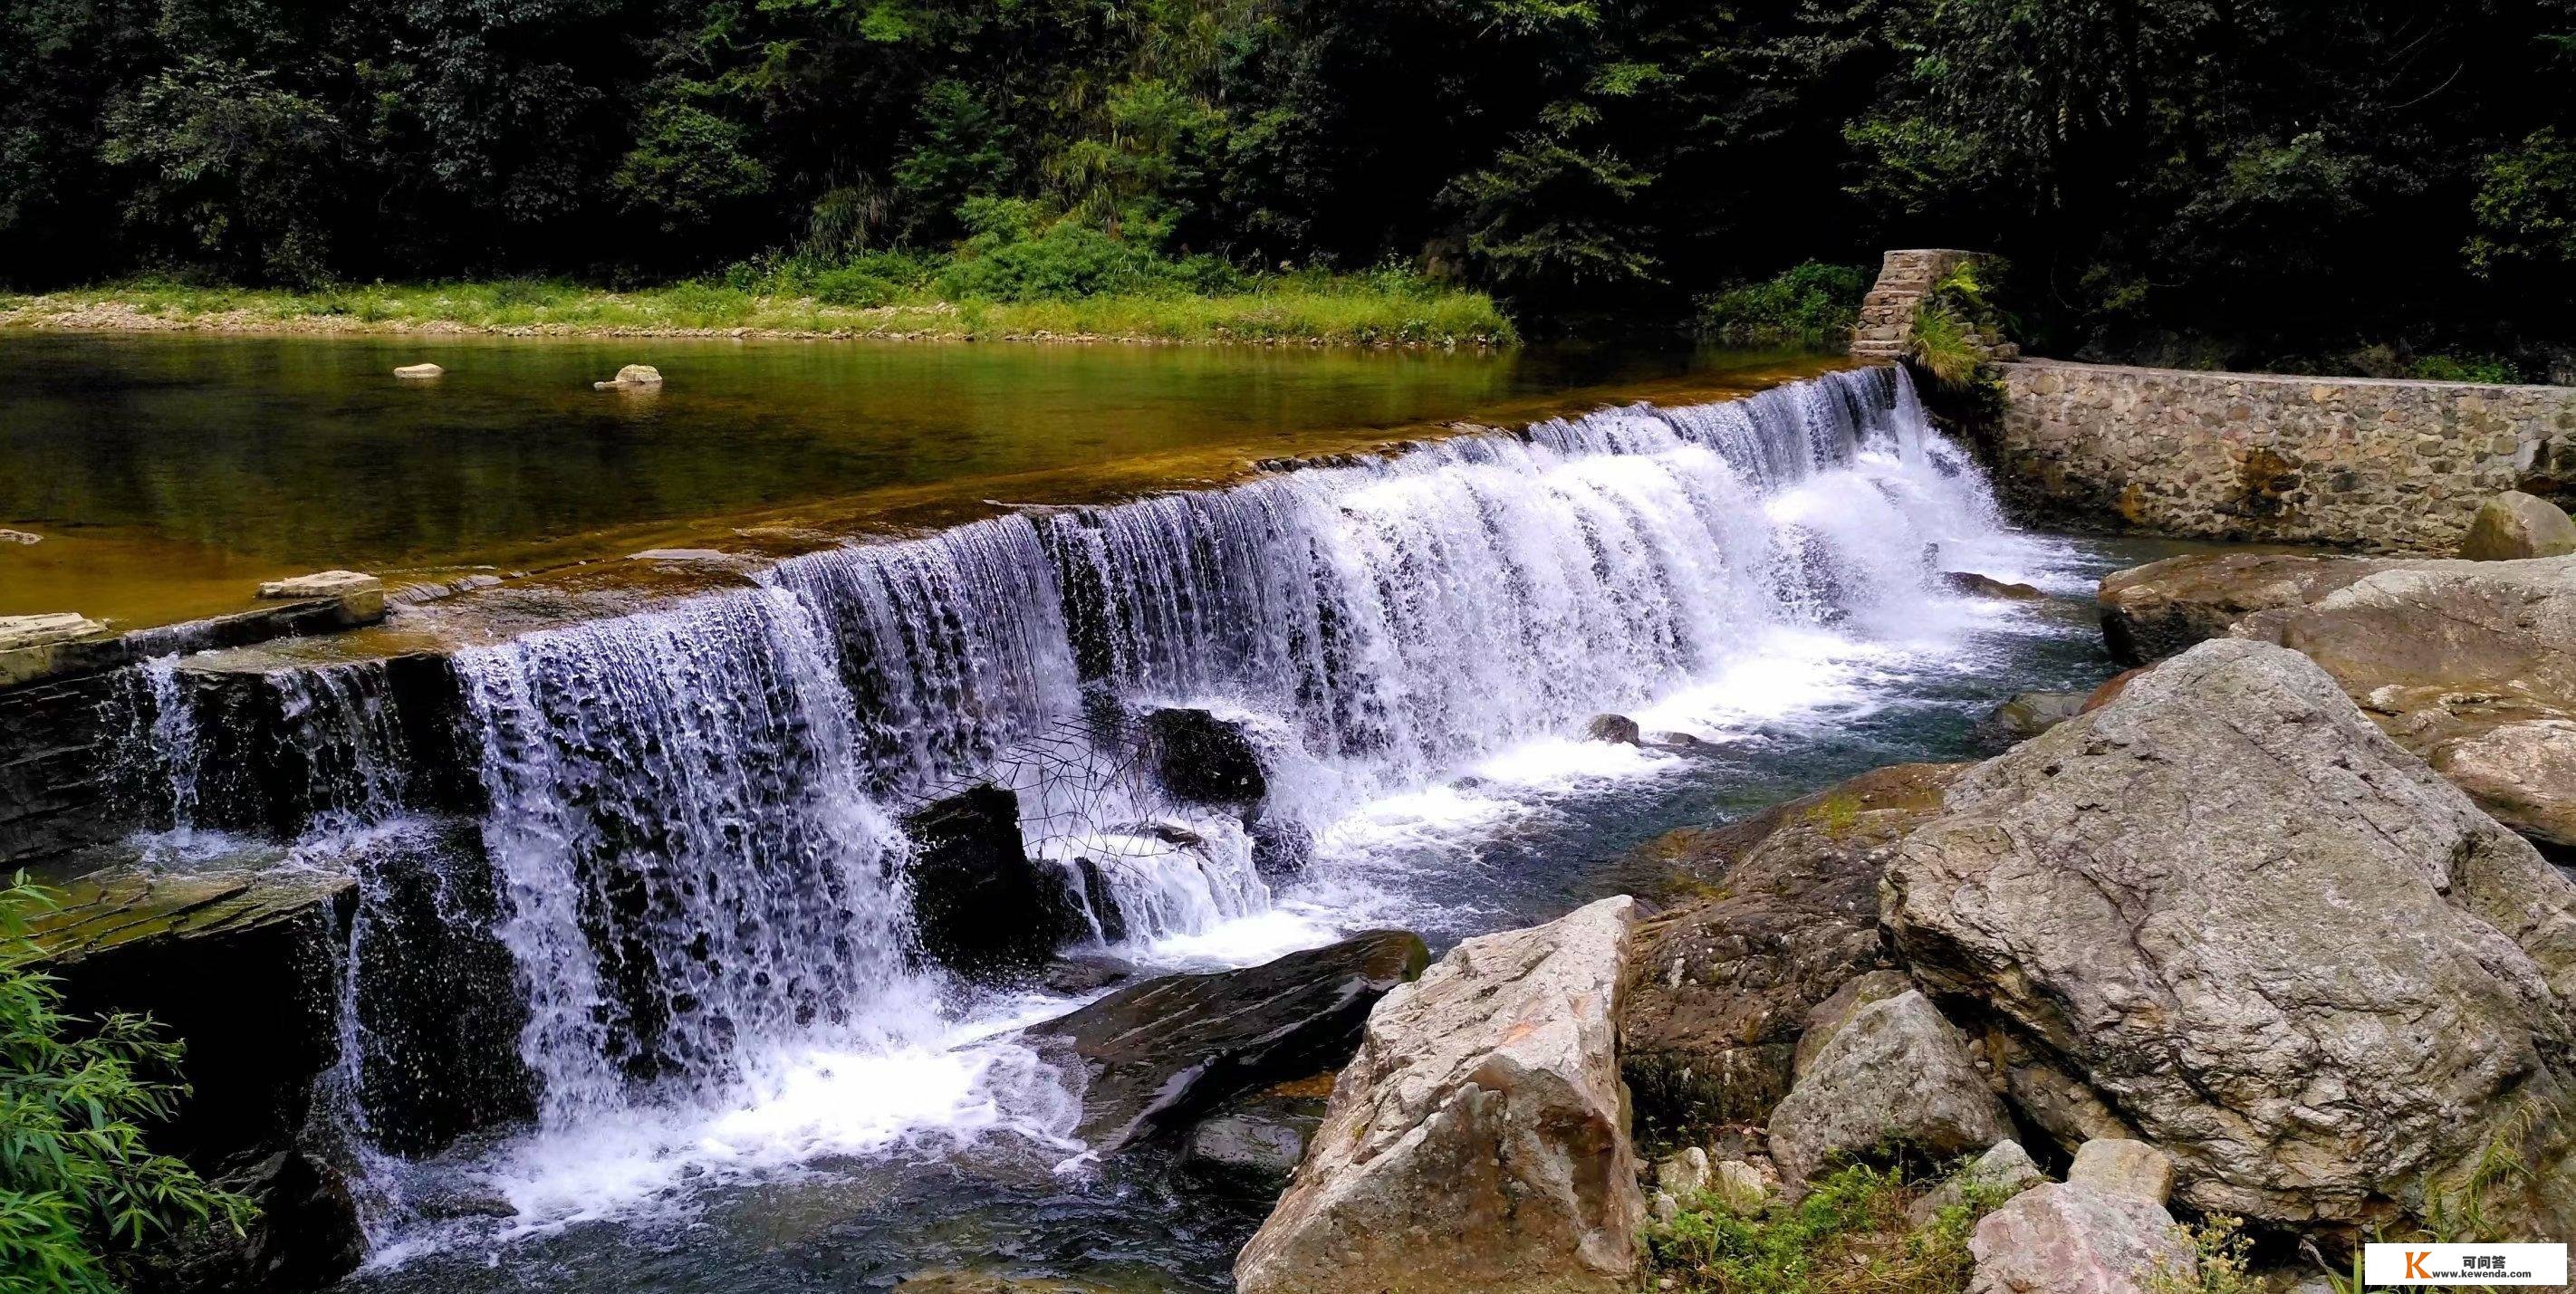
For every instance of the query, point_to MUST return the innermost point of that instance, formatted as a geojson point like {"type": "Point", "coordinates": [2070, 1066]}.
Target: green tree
{"type": "Point", "coordinates": [79, 1190]}
{"type": "Point", "coordinates": [227, 165]}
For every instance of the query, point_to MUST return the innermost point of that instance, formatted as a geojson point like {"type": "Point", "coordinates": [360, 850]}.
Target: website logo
{"type": "Point", "coordinates": [2464, 1264]}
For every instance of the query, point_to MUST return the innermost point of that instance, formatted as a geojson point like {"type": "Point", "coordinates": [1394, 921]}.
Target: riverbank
{"type": "Point", "coordinates": [1300, 309]}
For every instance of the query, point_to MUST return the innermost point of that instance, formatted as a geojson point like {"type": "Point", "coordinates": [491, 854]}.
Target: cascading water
{"type": "Point", "coordinates": [691, 814]}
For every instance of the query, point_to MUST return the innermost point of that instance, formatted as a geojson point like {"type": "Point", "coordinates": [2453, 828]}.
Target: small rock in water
{"type": "Point", "coordinates": [1987, 586]}
{"type": "Point", "coordinates": [631, 377]}
{"type": "Point", "coordinates": [1617, 728]}
{"type": "Point", "coordinates": [20, 537]}
{"type": "Point", "coordinates": [419, 371]}
{"type": "Point", "coordinates": [323, 584]}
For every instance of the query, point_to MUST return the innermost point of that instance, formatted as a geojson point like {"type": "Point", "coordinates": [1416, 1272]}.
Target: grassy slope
{"type": "Point", "coordinates": [1349, 311]}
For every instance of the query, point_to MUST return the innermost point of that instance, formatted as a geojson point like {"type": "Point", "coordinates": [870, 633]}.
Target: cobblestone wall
{"type": "Point", "coordinates": [2387, 466]}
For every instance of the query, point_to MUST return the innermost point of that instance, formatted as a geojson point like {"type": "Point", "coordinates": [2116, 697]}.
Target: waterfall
{"type": "Point", "coordinates": [687, 858]}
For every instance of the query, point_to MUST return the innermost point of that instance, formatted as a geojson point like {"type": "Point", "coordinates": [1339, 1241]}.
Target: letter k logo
{"type": "Point", "coordinates": [2415, 1265]}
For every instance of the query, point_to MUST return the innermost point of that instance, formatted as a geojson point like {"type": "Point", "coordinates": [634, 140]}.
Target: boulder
{"type": "Point", "coordinates": [1617, 729]}
{"type": "Point", "coordinates": [2523, 773]}
{"type": "Point", "coordinates": [981, 906]}
{"type": "Point", "coordinates": [2029, 714]}
{"type": "Point", "coordinates": [2069, 1239]}
{"type": "Point", "coordinates": [2186, 902]}
{"type": "Point", "coordinates": [2004, 1170]}
{"type": "Point", "coordinates": [1159, 1054]}
{"type": "Point", "coordinates": [1479, 1139]}
{"type": "Point", "coordinates": [633, 377]}
{"type": "Point", "coordinates": [1830, 1015]}
{"type": "Point", "coordinates": [419, 371]}
{"type": "Point", "coordinates": [2465, 664]}
{"type": "Point", "coordinates": [1686, 1174]}
{"type": "Point", "coordinates": [51, 644]}
{"type": "Point", "coordinates": [1769, 917]}
{"type": "Point", "coordinates": [2120, 1166]}
{"type": "Point", "coordinates": [2514, 525]}
{"type": "Point", "coordinates": [1896, 1078]}
{"type": "Point", "coordinates": [2153, 611]}
{"type": "Point", "coordinates": [1974, 585]}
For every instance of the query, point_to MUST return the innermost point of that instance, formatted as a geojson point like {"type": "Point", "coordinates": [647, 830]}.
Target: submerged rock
{"type": "Point", "coordinates": [1253, 1143]}
{"type": "Point", "coordinates": [419, 371]}
{"type": "Point", "coordinates": [1479, 1140]}
{"type": "Point", "coordinates": [1771, 917]}
{"type": "Point", "coordinates": [361, 597]}
{"type": "Point", "coordinates": [2513, 526]}
{"type": "Point", "coordinates": [1617, 729]}
{"type": "Point", "coordinates": [1895, 1078]}
{"type": "Point", "coordinates": [1157, 1054]}
{"type": "Point", "coordinates": [2184, 902]}
{"type": "Point", "coordinates": [20, 537]}
{"type": "Point", "coordinates": [981, 906]}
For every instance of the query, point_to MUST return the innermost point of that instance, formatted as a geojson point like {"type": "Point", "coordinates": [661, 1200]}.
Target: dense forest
{"type": "Point", "coordinates": [2281, 181]}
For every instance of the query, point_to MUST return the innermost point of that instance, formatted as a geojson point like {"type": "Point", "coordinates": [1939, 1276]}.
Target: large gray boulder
{"type": "Point", "coordinates": [2522, 772]}
{"type": "Point", "coordinates": [2070, 1239]}
{"type": "Point", "coordinates": [2514, 525]}
{"type": "Point", "coordinates": [2281, 948]}
{"type": "Point", "coordinates": [1479, 1140]}
{"type": "Point", "coordinates": [1894, 1077]}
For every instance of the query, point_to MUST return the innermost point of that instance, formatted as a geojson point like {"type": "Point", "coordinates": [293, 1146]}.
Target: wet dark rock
{"type": "Point", "coordinates": [1618, 729]}
{"type": "Point", "coordinates": [1252, 1144]}
{"type": "Point", "coordinates": [240, 968]}
{"type": "Point", "coordinates": [1205, 760]}
{"type": "Point", "coordinates": [1767, 919]}
{"type": "Point", "coordinates": [1078, 976]}
{"type": "Point", "coordinates": [1160, 1054]}
{"type": "Point", "coordinates": [981, 906]}
{"type": "Point", "coordinates": [439, 1004]}
{"type": "Point", "coordinates": [305, 1238]}
{"type": "Point", "coordinates": [58, 768]}
{"type": "Point", "coordinates": [1987, 586]}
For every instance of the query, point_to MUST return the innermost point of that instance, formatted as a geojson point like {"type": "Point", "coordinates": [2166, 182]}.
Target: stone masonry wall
{"type": "Point", "coordinates": [1886, 326]}
{"type": "Point", "coordinates": [2388, 466]}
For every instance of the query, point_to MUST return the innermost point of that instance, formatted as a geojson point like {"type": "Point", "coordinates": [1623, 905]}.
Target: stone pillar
{"type": "Point", "coordinates": [1886, 325]}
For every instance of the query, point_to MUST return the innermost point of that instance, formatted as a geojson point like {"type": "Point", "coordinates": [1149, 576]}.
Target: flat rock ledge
{"type": "Point", "coordinates": [1479, 1140]}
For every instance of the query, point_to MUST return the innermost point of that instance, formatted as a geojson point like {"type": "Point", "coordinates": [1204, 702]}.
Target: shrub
{"type": "Point", "coordinates": [79, 1192]}
{"type": "Point", "coordinates": [2464, 368]}
{"type": "Point", "coordinates": [1813, 305]}
{"type": "Point", "coordinates": [1067, 261]}
{"type": "Point", "coordinates": [1848, 1236]}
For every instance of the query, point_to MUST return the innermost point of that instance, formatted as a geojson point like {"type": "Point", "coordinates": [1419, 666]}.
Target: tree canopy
{"type": "Point", "coordinates": [2238, 179]}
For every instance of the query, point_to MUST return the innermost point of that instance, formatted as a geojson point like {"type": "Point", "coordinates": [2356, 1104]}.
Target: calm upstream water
{"type": "Point", "coordinates": [170, 474]}
{"type": "Point", "coordinates": [722, 1070]}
